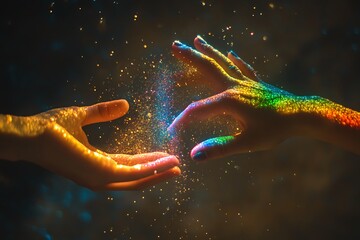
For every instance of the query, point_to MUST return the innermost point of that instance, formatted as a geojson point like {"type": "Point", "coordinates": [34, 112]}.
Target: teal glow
{"type": "Point", "coordinates": [217, 141]}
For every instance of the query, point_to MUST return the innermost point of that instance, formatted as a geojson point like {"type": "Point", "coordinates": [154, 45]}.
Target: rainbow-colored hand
{"type": "Point", "coordinates": [267, 115]}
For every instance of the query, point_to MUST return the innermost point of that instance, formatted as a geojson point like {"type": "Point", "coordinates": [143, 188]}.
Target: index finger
{"type": "Point", "coordinates": [129, 173]}
{"type": "Point", "coordinates": [130, 160]}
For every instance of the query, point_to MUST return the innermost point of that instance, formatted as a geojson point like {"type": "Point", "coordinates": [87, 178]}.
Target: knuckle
{"type": "Point", "coordinates": [190, 108]}
{"type": "Point", "coordinates": [103, 110]}
{"type": "Point", "coordinates": [70, 110]}
{"type": "Point", "coordinates": [192, 105]}
{"type": "Point", "coordinates": [229, 95]}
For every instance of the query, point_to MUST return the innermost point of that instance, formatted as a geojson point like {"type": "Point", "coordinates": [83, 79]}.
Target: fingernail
{"type": "Point", "coordinates": [234, 54]}
{"type": "Point", "coordinates": [199, 156]}
{"type": "Point", "coordinates": [178, 43]}
{"type": "Point", "coordinates": [201, 40]}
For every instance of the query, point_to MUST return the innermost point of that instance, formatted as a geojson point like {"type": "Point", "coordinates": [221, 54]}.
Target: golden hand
{"type": "Point", "coordinates": [55, 140]}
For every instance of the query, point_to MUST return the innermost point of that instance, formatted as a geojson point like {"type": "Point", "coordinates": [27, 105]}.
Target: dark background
{"type": "Point", "coordinates": [59, 53]}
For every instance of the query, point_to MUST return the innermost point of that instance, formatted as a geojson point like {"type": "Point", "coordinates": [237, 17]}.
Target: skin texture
{"type": "Point", "coordinates": [267, 115]}
{"type": "Point", "coordinates": [55, 140]}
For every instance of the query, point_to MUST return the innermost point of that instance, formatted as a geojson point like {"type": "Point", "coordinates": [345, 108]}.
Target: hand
{"type": "Point", "coordinates": [241, 94]}
{"type": "Point", "coordinates": [267, 115]}
{"type": "Point", "coordinates": [56, 141]}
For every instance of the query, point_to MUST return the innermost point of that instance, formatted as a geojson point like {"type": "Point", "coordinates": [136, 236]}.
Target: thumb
{"type": "Point", "coordinates": [105, 111]}
{"type": "Point", "coordinates": [219, 147]}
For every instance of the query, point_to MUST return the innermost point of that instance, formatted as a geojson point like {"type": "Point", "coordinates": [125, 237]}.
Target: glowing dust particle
{"type": "Point", "coordinates": [264, 38]}
{"type": "Point", "coordinates": [252, 33]}
{"type": "Point", "coordinates": [271, 5]}
{"type": "Point", "coordinates": [135, 17]}
{"type": "Point", "coordinates": [145, 46]}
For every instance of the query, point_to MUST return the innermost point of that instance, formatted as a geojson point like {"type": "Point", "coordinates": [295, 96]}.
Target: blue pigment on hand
{"type": "Point", "coordinates": [199, 156]}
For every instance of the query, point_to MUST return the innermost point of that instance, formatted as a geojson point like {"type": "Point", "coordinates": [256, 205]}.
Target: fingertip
{"type": "Point", "coordinates": [177, 161]}
{"type": "Point", "coordinates": [179, 45]}
{"type": "Point", "coordinates": [212, 148]}
{"type": "Point", "coordinates": [200, 40]}
{"type": "Point", "coordinates": [176, 171]}
{"type": "Point", "coordinates": [180, 50]}
{"type": "Point", "coordinates": [117, 108]}
{"type": "Point", "coordinates": [105, 111]}
{"type": "Point", "coordinates": [201, 45]}
{"type": "Point", "coordinates": [199, 156]}
{"type": "Point", "coordinates": [198, 153]}
{"type": "Point", "coordinates": [125, 103]}
{"type": "Point", "coordinates": [121, 104]}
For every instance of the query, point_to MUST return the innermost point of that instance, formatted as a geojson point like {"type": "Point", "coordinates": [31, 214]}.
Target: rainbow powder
{"type": "Point", "coordinates": [164, 107]}
{"type": "Point", "coordinates": [218, 141]}
{"type": "Point", "coordinates": [263, 95]}
{"type": "Point", "coordinates": [201, 150]}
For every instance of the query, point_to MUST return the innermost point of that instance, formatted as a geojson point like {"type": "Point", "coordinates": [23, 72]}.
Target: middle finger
{"type": "Point", "coordinates": [229, 67]}
{"type": "Point", "coordinates": [215, 75]}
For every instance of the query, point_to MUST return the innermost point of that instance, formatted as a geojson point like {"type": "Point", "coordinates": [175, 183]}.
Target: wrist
{"type": "Point", "coordinates": [325, 120]}
{"type": "Point", "coordinates": [307, 118]}
{"type": "Point", "coordinates": [17, 136]}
